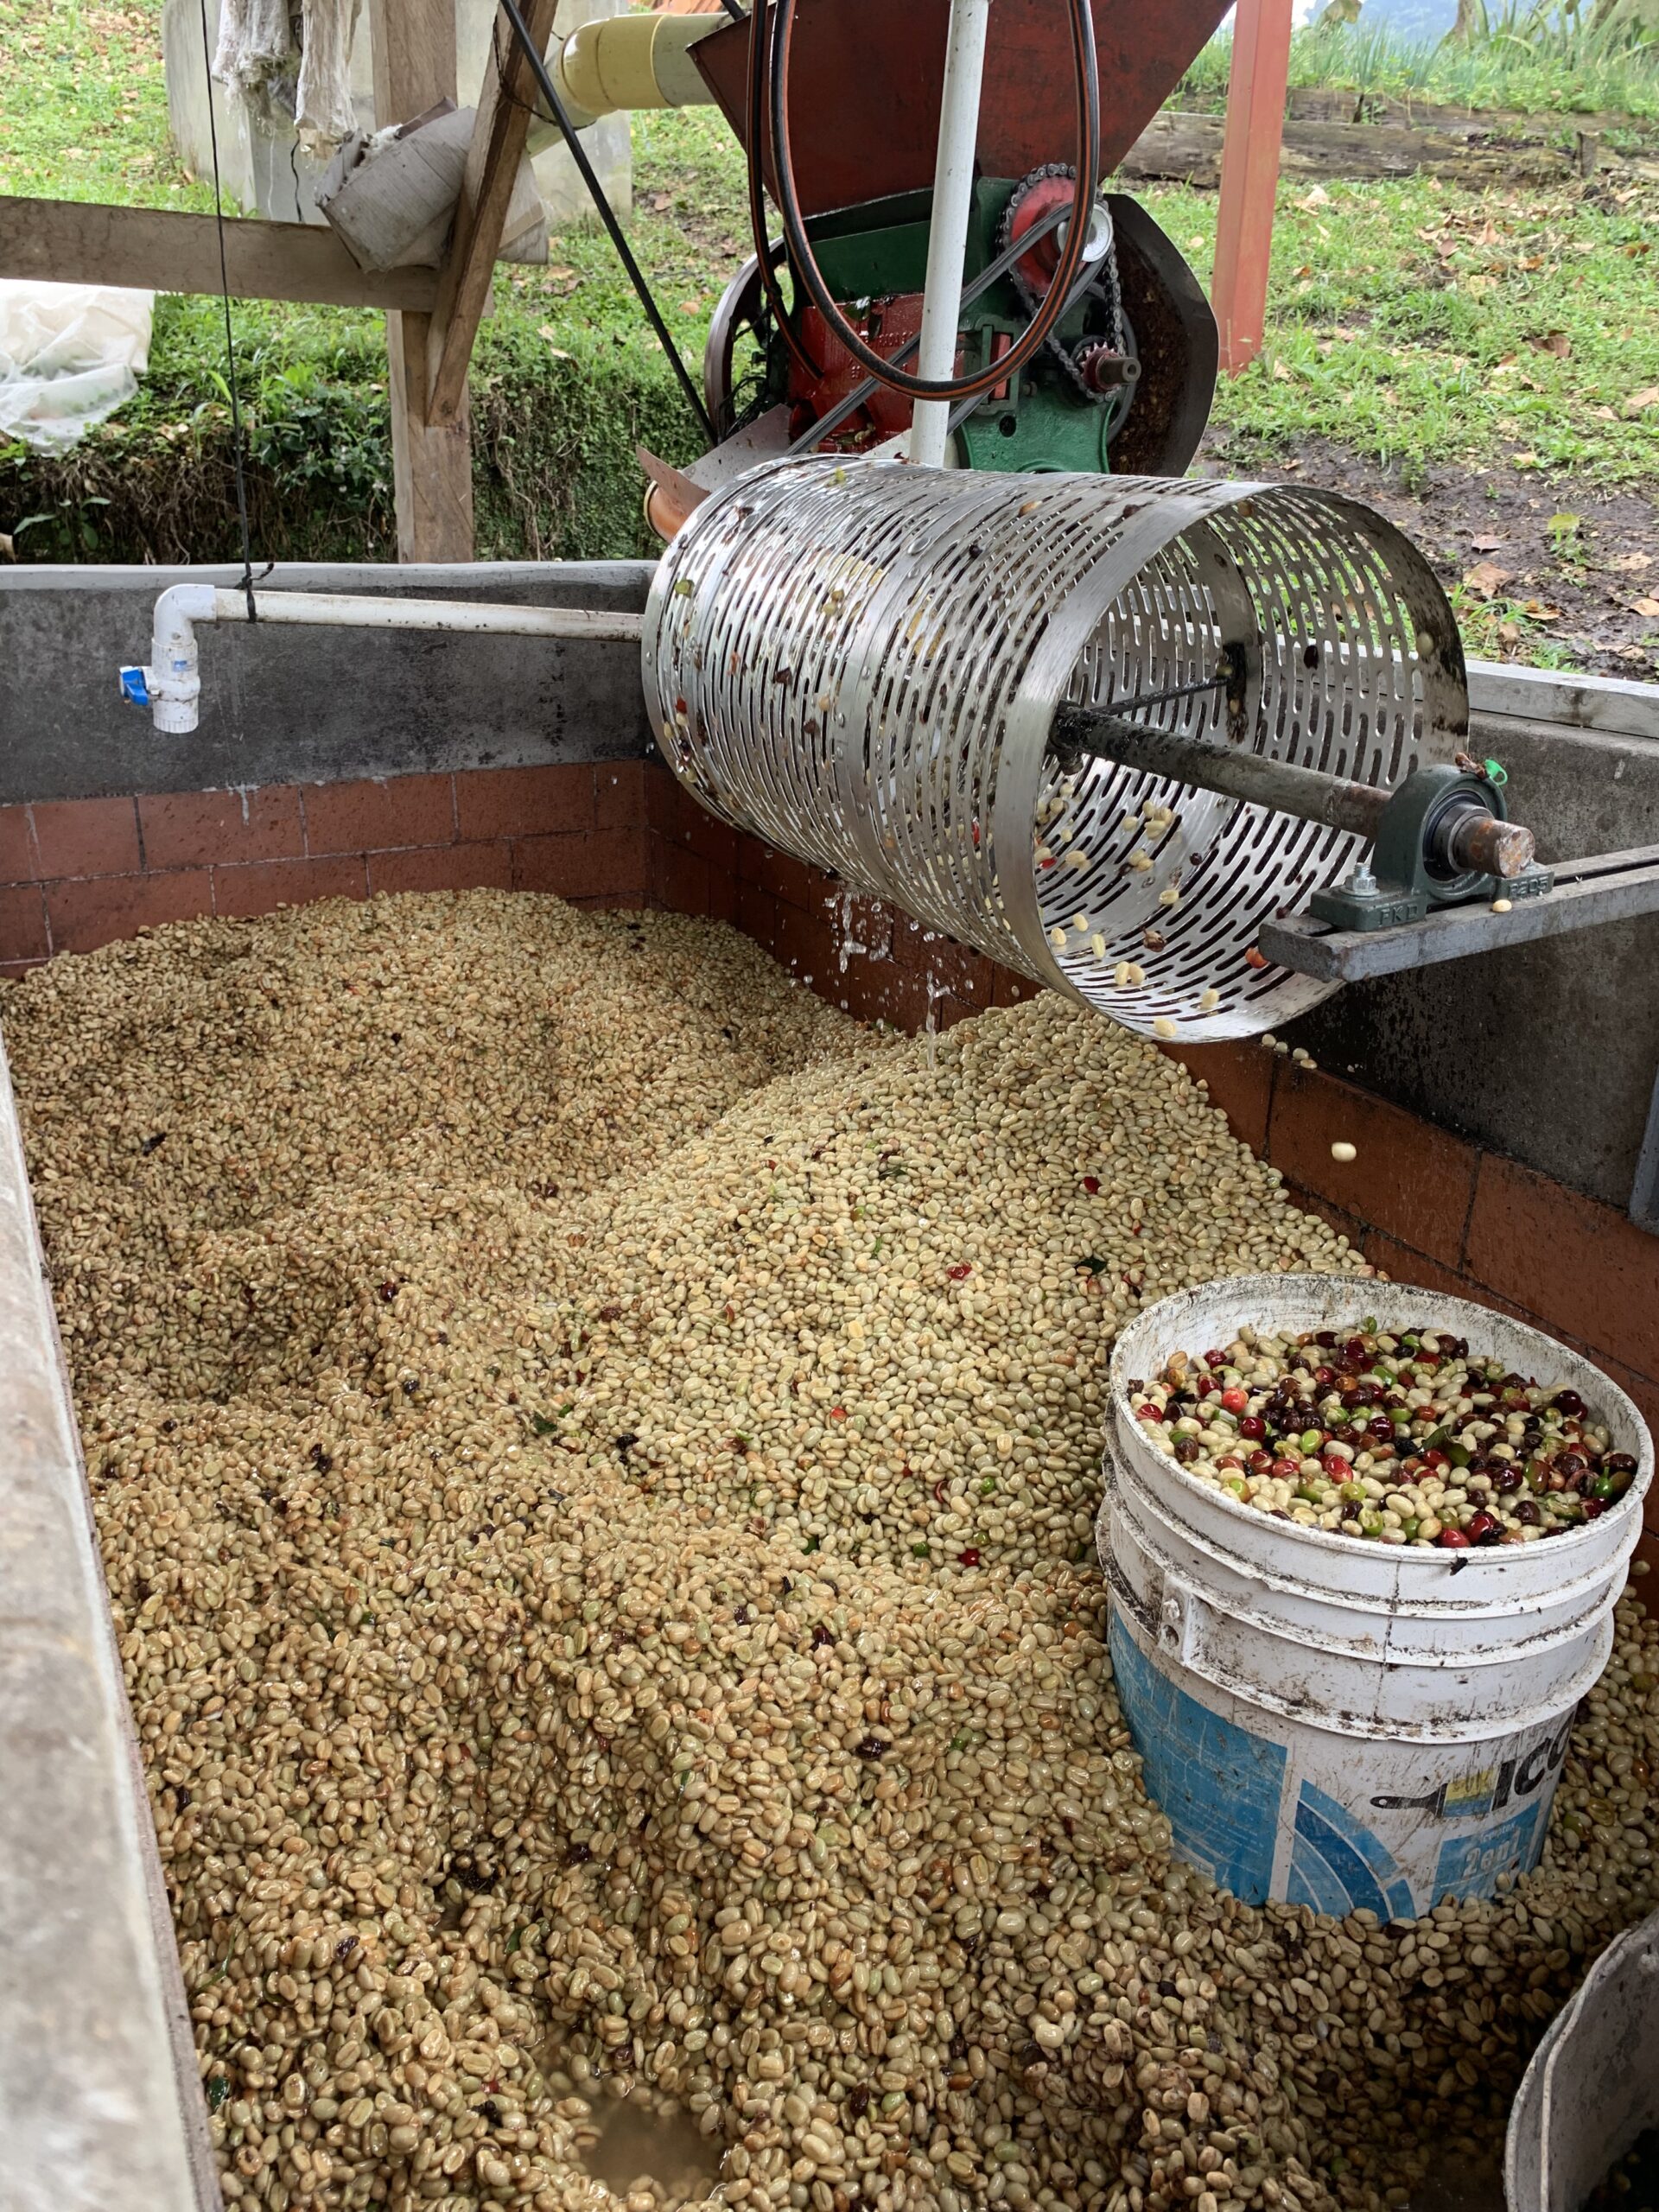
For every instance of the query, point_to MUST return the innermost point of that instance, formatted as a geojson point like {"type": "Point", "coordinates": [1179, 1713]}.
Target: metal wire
{"type": "Point", "coordinates": [239, 436]}
{"type": "Point", "coordinates": [861, 662]}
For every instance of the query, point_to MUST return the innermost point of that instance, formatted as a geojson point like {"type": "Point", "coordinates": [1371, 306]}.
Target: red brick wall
{"type": "Point", "coordinates": [699, 867]}
{"type": "Point", "coordinates": [75, 874]}
{"type": "Point", "coordinates": [1423, 1205]}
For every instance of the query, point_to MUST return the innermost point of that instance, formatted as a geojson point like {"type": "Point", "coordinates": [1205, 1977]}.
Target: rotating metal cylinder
{"type": "Point", "coordinates": [861, 663]}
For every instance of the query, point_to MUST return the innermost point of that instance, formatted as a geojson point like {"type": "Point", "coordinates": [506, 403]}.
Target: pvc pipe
{"type": "Point", "coordinates": [624, 62]}
{"type": "Point", "coordinates": [947, 237]}
{"type": "Point", "coordinates": [171, 685]}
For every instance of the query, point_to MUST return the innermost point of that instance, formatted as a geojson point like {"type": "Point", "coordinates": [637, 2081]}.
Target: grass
{"type": "Point", "coordinates": [1525, 65]}
{"type": "Point", "coordinates": [83, 105]}
{"type": "Point", "coordinates": [1421, 324]}
{"type": "Point", "coordinates": [567, 378]}
{"type": "Point", "coordinates": [1411, 321]}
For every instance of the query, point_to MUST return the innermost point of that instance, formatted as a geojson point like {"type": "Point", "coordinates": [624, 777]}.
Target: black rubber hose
{"type": "Point", "coordinates": [1047, 316]}
{"type": "Point", "coordinates": [607, 216]}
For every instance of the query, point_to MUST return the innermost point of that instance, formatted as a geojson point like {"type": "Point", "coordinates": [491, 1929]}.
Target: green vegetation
{"type": "Point", "coordinates": [1418, 323]}
{"type": "Point", "coordinates": [1529, 63]}
{"type": "Point", "coordinates": [1412, 323]}
{"type": "Point", "coordinates": [83, 107]}
{"type": "Point", "coordinates": [567, 380]}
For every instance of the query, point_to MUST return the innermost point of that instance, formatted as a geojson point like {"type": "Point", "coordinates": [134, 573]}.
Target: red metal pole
{"type": "Point", "coordinates": [1249, 175]}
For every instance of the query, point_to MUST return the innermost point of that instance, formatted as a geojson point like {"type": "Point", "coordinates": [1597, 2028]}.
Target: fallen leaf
{"type": "Point", "coordinates": [1604, 413]}
{"type": "Point", "coordinates": [1538, 612]}
{"type": "Point", "coordinates": [1485, 579]}
{"type": "Point", "coordinates": [1631, 562]}
{"type": "Point", "coordinates": [1639, 402]}
{"type": "Point", "coordinates": [1280, 372]}
{"type": "Point", "coordinates": [1487, 544]}
{"type": "Point", "coordinates": [1648, 607]}
{"type": "Point", "coordinates": [561, 273]}
{"type": "Point", "coordinates": [1553, 341]}
{"type": "Point", "coordinates": [558, 353]}
{"type": "Point", "coordinates": [1526, 460]}
{"type": "Point", "coordinates": [1318, 197]}
{"type": "Point", "coordinates": [1508, 633]}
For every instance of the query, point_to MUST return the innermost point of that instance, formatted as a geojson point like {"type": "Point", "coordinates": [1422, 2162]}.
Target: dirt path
{"type": "Point", "coordinates": [1551, 570]}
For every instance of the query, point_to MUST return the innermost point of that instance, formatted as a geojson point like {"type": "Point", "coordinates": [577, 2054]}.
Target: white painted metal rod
{"type": "Point", "coordinates": [947, 241]}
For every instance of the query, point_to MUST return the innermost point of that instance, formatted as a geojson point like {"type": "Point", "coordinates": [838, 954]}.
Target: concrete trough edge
{"type": "Point", "coordinates": [1614, 706]}
{"type": "Point", "coordinates": [98, 2102]}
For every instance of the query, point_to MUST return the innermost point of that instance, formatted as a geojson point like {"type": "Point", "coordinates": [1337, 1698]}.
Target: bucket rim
{"type": "Point", "coordinates": [1365, 1291]}
{"type": "Point", "coordinates": [1595, 1592]}
{"type": "Point", "coordinates": [1477, 1728]}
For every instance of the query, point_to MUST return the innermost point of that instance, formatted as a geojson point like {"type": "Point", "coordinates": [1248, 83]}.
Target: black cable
{"type": "Point", "coordinates": [1071, 256]}
{"type": "Point", "coordinates": [237, 440]}
{"type": "Point", "coordinates": [607, 213]}
{"type": "Point", "coordinates": [759, 63]}
{"type": "Point", "coordinates": [734, 11]}
{"type": "Point", "coordinates": [828, 424]}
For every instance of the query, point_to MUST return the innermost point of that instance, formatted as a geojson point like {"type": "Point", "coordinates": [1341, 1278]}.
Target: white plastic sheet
{"type": "Point", "coordinates": [69, 355]}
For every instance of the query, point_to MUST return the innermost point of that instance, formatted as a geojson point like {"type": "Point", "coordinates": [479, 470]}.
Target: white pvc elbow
{"type": "Point", "coordinates": [171, 685]}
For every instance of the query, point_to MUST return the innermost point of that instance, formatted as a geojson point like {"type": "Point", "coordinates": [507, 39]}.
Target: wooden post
{"type": "Point", "coordinates": [413, 68]}
{"type": "Point", "coordinates": [505, 104]}
{"type": "Point", "coordinates": [1249, 177]}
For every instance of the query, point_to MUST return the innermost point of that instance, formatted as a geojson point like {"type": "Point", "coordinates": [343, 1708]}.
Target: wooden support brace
{"type": "Point", "coordinates": [82, 242]}
{"type": "Point", "coordinates": [506, 105]}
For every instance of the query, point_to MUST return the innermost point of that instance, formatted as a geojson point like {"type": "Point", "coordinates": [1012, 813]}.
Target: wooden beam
{"type": "Point", "coordinates": [432, 464]}
{"type": "Point", "coordinates": [499, 128]}
{"type": "Point", "coordinates": [80, 241]}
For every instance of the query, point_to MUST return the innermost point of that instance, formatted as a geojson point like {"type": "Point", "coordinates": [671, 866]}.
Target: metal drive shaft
{"type": "Point", "coordinates": [1472, 840]}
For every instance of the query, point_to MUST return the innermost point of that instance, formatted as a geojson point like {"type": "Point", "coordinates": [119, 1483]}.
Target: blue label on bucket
{"type": "Point", "coordinates": [1470, 1864]}
{"type": "Point", "coordinates": [1219, 1786]}
{"type": "Point", "coordinates": [1337, 1865]}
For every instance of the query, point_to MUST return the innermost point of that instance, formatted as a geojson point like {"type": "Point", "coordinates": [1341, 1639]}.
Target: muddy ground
{"type": "Point", "coordinates": [1550, 570]}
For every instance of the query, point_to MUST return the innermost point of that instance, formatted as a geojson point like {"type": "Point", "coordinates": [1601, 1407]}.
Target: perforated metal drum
{"type": "Point", "coordinates": [860, 662]}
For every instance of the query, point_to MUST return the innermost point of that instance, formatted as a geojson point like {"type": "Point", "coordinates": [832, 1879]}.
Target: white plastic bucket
{"type": "Point", "coordinates": [1334, 1722]}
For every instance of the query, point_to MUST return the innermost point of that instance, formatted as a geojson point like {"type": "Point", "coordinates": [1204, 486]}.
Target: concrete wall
{"type": "Point", "coordinates": [269, 176]}
{"type": "Point", "coordinates": [98, 2073]}
{"type": "Point", "coordinates": [286, 706]}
